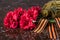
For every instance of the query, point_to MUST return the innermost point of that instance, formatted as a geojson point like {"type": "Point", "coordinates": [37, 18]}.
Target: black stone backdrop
{"type": "Point", "coordinates": [7, 5]}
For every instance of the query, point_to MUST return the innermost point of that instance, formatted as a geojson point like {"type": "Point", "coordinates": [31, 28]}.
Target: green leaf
{"type": "Point", "coordinates": [52, 21]}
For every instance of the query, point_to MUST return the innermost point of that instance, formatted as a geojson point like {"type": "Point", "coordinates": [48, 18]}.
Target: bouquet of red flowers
{"type": "Point", "coordinates": [25, 19]}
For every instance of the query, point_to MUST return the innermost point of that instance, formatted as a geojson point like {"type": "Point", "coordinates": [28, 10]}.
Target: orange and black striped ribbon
{"type": "Point", "coordinates": [58, 21]}
{"type": "Point", "coordinates": [41, 26]}
{"type": "Point", "coordinates": [52, 32]}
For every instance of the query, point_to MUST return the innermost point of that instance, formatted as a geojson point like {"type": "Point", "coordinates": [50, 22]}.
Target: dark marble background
{"type": "Point", "coordinates": [6, 5]}
{"type": "Point", "coordinates": [16, 34]}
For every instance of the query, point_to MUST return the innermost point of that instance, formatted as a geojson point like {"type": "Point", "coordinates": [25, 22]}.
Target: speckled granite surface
{"type": "Point", "coordinates": [5, 6]}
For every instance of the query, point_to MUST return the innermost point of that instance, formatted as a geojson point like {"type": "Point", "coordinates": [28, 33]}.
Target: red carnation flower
{"type": "Point", "coordinates": [18, 12]}
{"type": "Point", "coordinates": [26, 22]}
{"type": "Point", "coordinates": [34, 11]}
{"type": "Point", "coordinates": [12, 18]}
